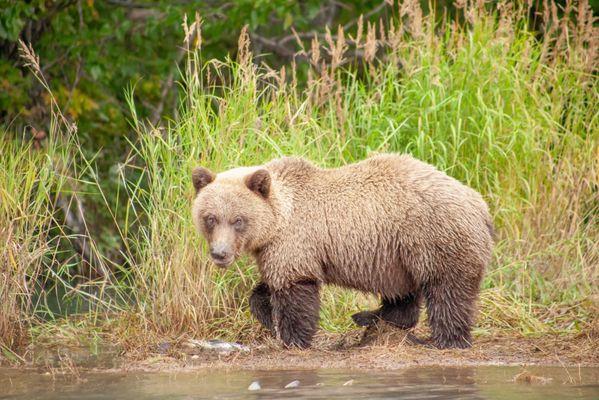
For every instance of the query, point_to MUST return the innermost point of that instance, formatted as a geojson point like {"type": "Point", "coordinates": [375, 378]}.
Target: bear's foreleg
{"type": "Point", "coordinates": [450, 309]}
{"type": "Point", "coordinates": [402, 312]}
{"type": "Point", "coordinates": [295, 313]}
{"type": "Point", "coordinates": [260, 305]}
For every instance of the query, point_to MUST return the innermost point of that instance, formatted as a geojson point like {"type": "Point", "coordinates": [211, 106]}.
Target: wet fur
{"type": "Point", "coordinates": [389, 225]}
{"type": "Point", "coordinates": [402, 312]}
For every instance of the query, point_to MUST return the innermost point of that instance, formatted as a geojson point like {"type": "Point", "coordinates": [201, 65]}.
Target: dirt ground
{"type": "Point", "coordinates": [381, 348]}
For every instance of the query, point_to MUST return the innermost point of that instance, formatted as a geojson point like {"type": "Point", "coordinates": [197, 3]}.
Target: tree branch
{"type": "Point", "coordinates": [75, 219]}
{"type": "Point", "coordinates": [131, 4]}
{"type": "Point", "coordinates": [280, 45]}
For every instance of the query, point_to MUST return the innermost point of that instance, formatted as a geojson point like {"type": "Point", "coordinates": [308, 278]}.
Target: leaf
{"type": "Point", "coordinates": [288, 20]}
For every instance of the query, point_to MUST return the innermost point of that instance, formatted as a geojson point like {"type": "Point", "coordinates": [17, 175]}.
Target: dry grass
{"type": "Point", "coordinates": [35, 173]}
{"type": "Point", "coordinates": [512, 114]}
{"type": "Point", "coordinates": [480, 97]}
{"type": "Point", "coordinates": [28, 179]}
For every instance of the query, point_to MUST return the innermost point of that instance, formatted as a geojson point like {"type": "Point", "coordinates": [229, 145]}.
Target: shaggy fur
{"type": "Point", "coordinates": [402, 312]}
{"type": "Point", "coordinates": [261, 306]}
{"type": "Point", "coordinates": [389, 225]}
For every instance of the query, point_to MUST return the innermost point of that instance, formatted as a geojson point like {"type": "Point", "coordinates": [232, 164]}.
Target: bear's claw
{"type": "Point", "coordinates": [365, 318]}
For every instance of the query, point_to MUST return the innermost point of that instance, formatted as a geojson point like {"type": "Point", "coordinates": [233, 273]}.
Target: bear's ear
{"type": "Point", "coordinates": [201, 177]}
{"type": "Point", "coordinates": [259, 182]}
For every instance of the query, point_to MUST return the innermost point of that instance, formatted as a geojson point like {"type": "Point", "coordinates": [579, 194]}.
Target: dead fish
{"type": "Point", "coordinates": [254, 386]}
{"type": "Point", "coordinates": [292, 385]}
{"type": "Point", "coordinates": [218, 346]}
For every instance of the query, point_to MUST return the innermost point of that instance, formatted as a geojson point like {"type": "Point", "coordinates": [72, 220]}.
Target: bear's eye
{"type": "Point", "coordinates": [238, 223]}
{"type": "Point", "coordinates": [210, 221]}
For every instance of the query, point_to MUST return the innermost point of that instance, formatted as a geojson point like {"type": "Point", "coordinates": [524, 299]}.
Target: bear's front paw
{"type": "Point", "coordinates": [365, 318]}
{"type": "Point", "coordinates": [291, 341]}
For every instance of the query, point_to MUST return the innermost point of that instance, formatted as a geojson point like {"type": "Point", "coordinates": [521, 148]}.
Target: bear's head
{"type": "Point", "coordinates": [233, 211]}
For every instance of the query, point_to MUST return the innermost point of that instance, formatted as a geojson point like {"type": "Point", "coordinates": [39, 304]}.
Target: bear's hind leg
{"type": "Point", "coordinates": [366, 318]}
{"type": "Point", "coordinates": [450, 309]}
{"type": "Point", "coordinates": [260, 305]}
{"type": "Point", "coordinates": [402, 312]}
{"type": "Point", "coordinates": [295, 312]}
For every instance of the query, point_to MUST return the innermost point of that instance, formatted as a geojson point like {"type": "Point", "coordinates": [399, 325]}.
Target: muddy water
{"type": "Point", "coordinates": [409, 383]}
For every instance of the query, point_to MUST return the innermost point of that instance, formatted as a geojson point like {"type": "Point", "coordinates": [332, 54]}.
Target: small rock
{"type": "Point", "coordinates": [292, 385]}
{"type": "Point", "coordinates": [254, 386]}
{"type": "Point", "coordinates": [349, 383]}
{"type": "Point", "coordinates": [195, 357]}
{"type": "Point", "coordinates": [320, 384]}
{"type": "Point", "coordinates": [527, 377]}
{"type": "Point", "coordinates": [164, 347]}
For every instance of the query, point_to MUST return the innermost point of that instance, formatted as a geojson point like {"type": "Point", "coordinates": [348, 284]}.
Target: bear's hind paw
{"type": "Point", "coordinates": [365, 318]}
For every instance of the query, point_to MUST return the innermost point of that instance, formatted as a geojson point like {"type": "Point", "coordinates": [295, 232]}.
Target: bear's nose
{"type": "Point", "coordinates": [218, 255]}
{"type": "Point", "coordinates": [219, 252]}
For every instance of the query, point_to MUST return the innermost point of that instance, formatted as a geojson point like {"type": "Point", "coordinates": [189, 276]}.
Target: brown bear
{"type": "Point", "coordinates": [389, 225]}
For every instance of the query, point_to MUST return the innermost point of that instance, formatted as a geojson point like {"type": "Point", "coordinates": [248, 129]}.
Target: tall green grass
{"type": "Point", "coordinates": [30, 179]}
{"type": "Point", "coordinates": [510, 113]}
{"type": "Point", "coordinates": [40, 184]}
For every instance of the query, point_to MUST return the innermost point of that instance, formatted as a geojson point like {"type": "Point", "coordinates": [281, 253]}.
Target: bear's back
{"type": "Point", "coordinates": [382, 222]}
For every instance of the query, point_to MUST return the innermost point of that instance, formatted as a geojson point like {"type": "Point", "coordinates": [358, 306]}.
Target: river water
{"type": "Point", "coordinates": [409, 383]}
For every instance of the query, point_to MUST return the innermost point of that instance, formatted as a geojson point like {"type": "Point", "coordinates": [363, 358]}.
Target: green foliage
{"type": "Point", "coordinates": [30, 180]}
{"type": "Point", "coordinates": [92, 50]}
{"type": "Point", "coordinates": [508, 110]}
{"type": "Point", "coordinates": [493, 112]}
{"type": "Point", "coordinates": [14, 15]}
{"type": "Point", "coordinates": [14, 88]}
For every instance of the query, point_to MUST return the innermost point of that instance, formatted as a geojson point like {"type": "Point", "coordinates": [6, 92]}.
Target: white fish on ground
{"type": "Point", "coordinates": [216, 345]}
{"type": "Point", "coordinates": [255, 386]}
{"type": "Point", "coordinates": [292, 385]}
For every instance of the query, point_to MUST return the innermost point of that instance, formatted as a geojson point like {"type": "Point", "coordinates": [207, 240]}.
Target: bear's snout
{"type": "Point", "coordinates": [221, 254]}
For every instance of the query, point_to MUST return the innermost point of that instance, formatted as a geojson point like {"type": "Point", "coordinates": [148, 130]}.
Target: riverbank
{"type": "Point", "coordinates": [388, 351]}
{"type": "Point", "coordinates": [95, 252]}
{"type": "Point", "coordinates": [384, 349]}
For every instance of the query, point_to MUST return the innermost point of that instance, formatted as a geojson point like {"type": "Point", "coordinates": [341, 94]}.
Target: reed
{"type": "Point", "coordinates": [510, 112]}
